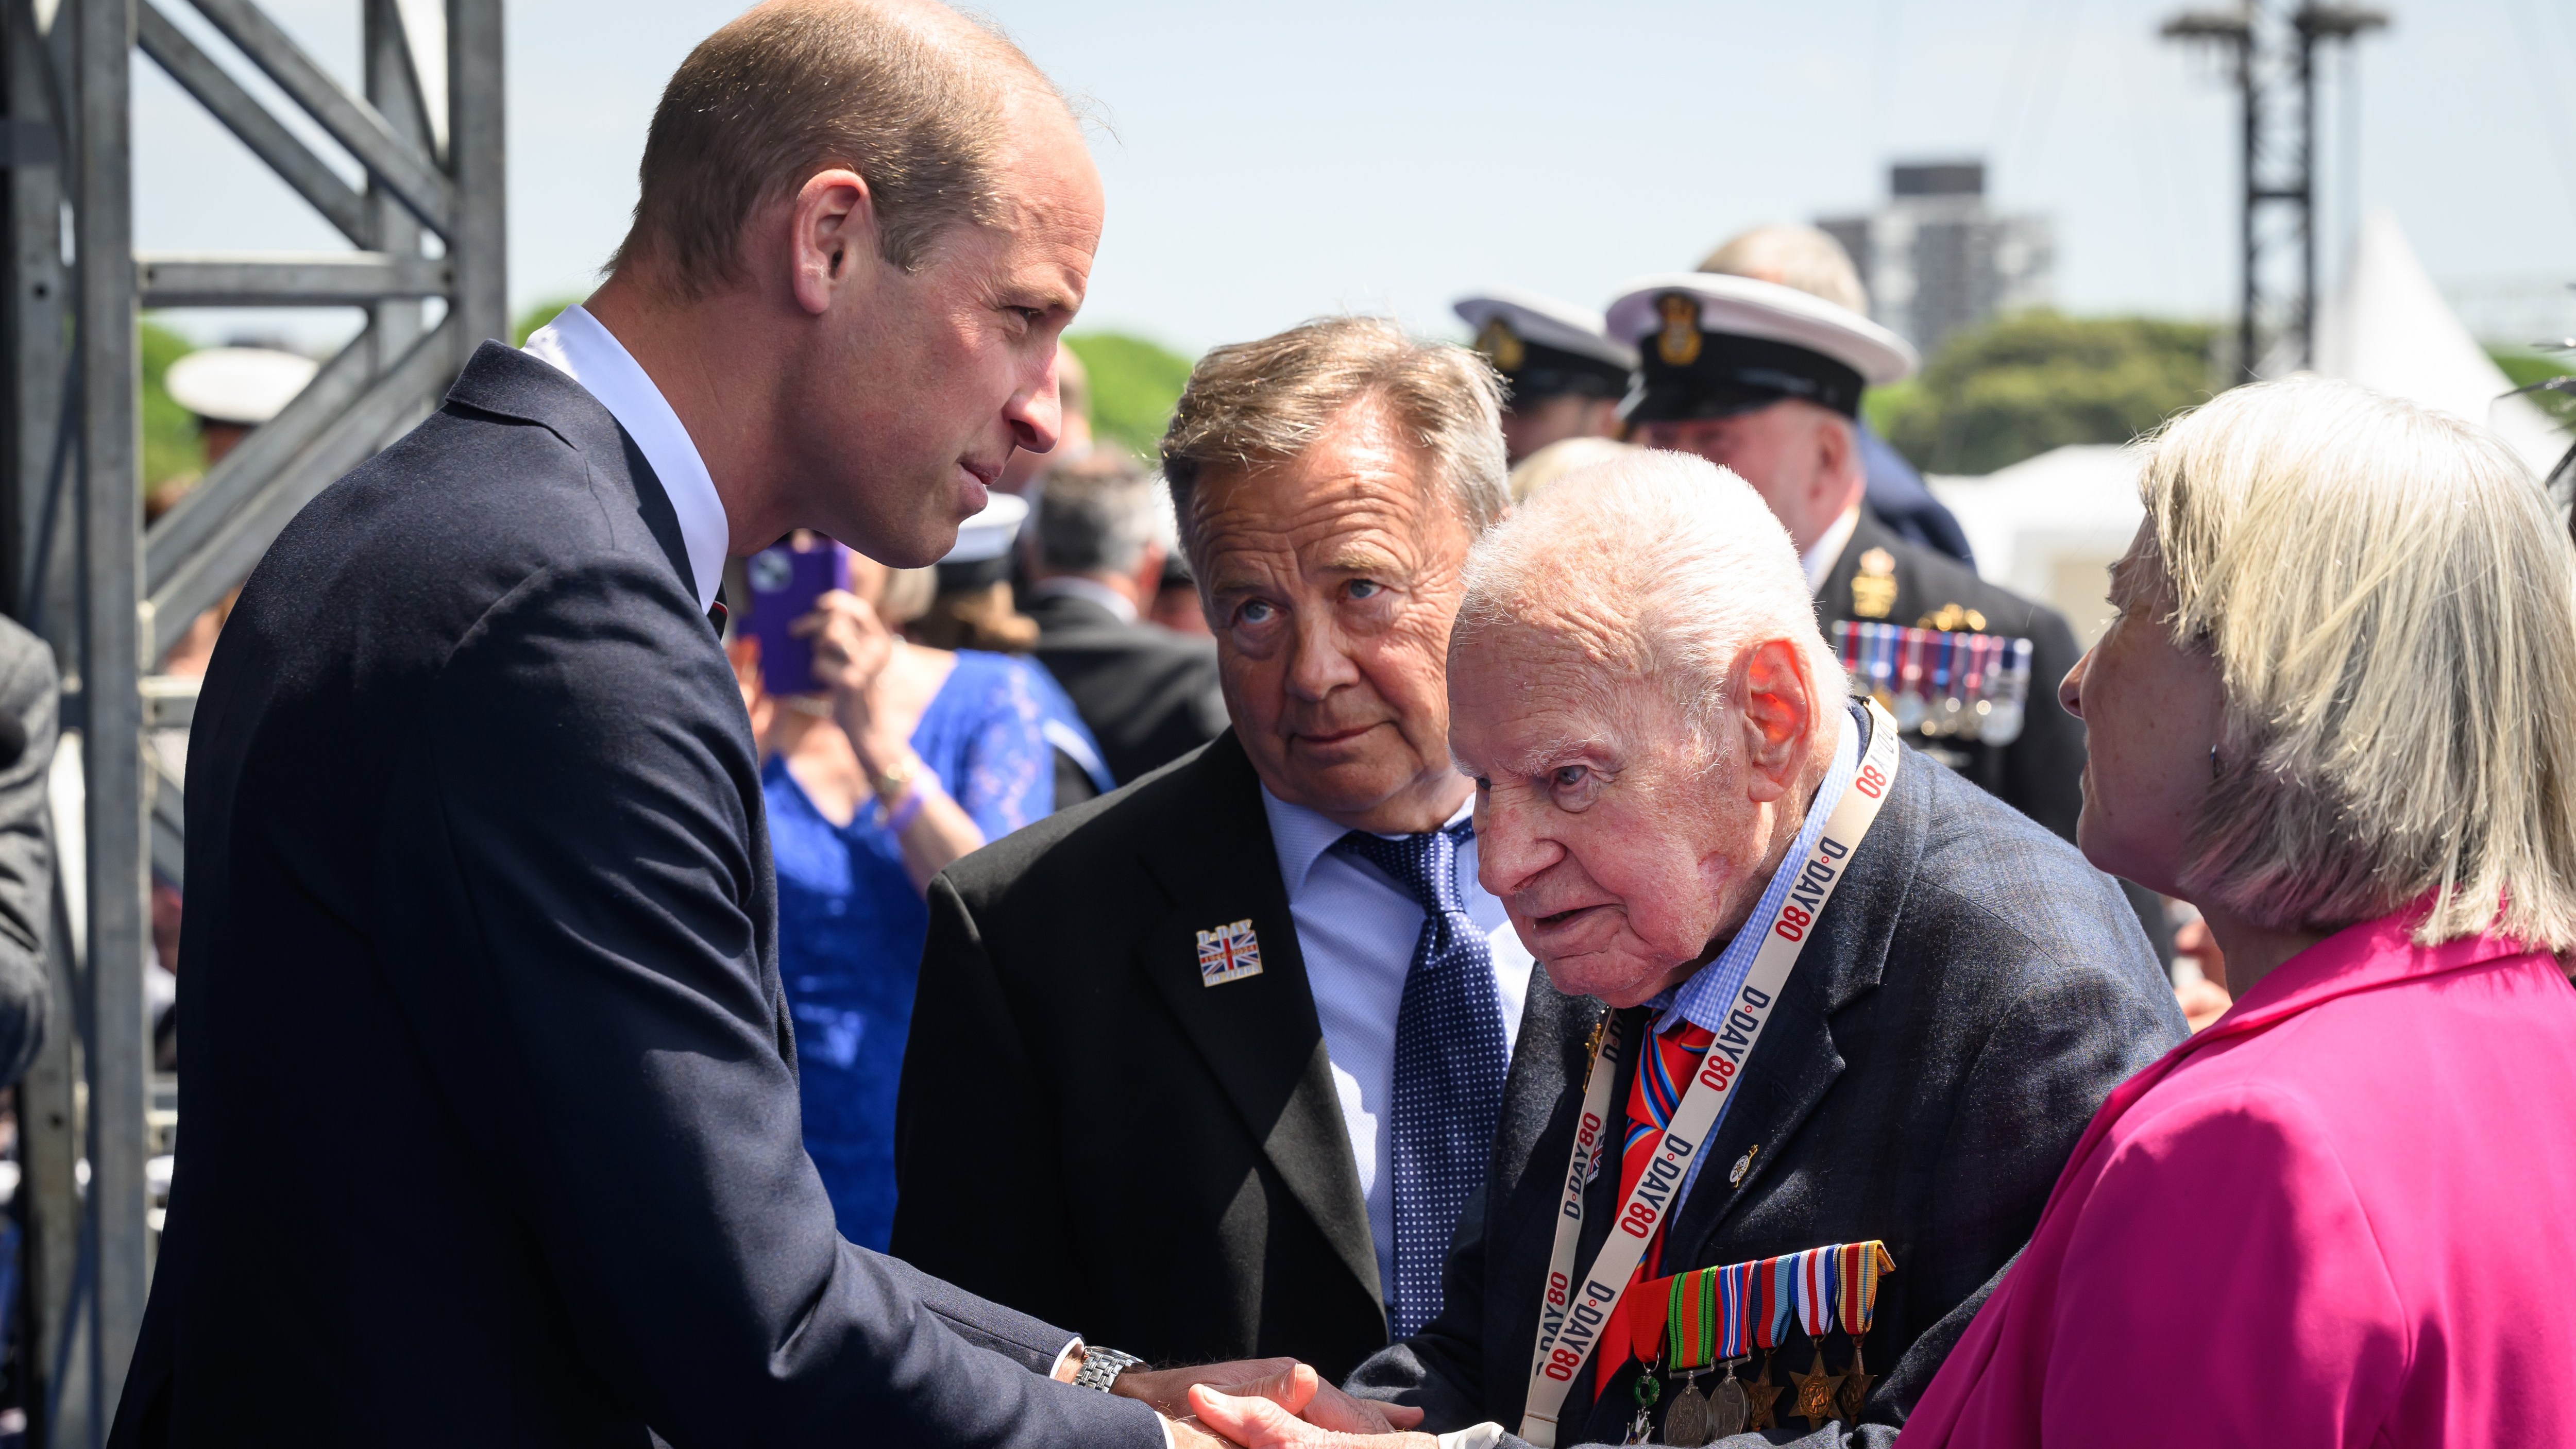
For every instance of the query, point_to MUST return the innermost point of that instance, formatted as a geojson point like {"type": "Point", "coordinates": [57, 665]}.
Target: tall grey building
{"type": "Point", "coordinates": [1936, 260]}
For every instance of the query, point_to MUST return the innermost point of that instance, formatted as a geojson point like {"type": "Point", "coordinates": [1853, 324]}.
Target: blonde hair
{"type": "Point", "coordinates": [1803, 257]}
{"type": "Point", "coordinates": [1254, 403]}
{"type": "Point", "coordinates": [1683, 559]}
{"type": "Point", "coordinates": [2393, 613]}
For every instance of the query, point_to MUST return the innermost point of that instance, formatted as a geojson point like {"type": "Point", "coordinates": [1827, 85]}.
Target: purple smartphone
{"type": "Point", "coordinates": [785, 582]}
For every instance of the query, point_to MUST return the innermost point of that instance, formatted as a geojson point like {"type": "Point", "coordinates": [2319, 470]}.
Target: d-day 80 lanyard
{"type": "Point", "coordinates": [1571, 1319]}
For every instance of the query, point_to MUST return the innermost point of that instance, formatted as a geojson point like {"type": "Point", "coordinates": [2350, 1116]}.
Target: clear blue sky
{"type": "Point", "coordinates": [1267, 163]}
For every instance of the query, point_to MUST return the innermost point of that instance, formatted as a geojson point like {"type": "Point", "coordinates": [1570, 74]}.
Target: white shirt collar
{"type": "Point", "coordinates": [589, 354]}
{"type": "Point", "coordinates": [1076, 586]}
{"type": "Point", "coordinates": [1820, 560]}
{"type": "Point", "coordinates": [1302, 836]}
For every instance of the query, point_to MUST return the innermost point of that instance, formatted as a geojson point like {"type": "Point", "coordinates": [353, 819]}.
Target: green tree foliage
{"type": "Point", "coordinates": [2033, 381]}
{"type": "Point", "coordinates": [2526, 367]}
{"type": "Point", "coordinates": [171, 447]}
{"type": "Point", "coordinates": [536, 317]}
{"type": "Point", "coordinates": [1134, 384]}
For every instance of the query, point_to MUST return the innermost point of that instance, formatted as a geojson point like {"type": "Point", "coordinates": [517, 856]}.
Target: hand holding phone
{"type": "Point", "coordinates": [785, 582]}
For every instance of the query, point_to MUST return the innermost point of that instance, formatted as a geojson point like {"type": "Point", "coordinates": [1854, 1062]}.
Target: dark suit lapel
{"type": "Point", "coordinates": [653, 503]}
{"type": "Point", "coordinates": [1797, 1060]}
{"type": "Point", "coordinates": [1259, 1034]}
{"type": "Point", "coordinates": [510, 383]}
{"type": "Point", "coordinates": [1600, 1210]}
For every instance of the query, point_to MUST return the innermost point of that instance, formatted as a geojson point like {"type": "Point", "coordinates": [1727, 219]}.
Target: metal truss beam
{"type": "Point", "coordinates": [322, 279]}
{"type": "Point", "coordinates": [78, 565]}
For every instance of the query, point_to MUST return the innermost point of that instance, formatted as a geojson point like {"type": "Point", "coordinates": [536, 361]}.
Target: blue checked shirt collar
{"type": "Point", "coordinates": [1703, 1000]}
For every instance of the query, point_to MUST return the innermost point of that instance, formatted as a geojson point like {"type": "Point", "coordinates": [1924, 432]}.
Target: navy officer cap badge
{"type": "Point", "coordinates": [1545, 348]}
{"type": "Point", "coordinates": [1713, 346]}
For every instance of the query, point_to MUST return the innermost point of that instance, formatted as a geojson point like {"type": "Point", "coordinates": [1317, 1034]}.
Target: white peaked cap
{"type": "Point", "coordinates": [1745, 307]}
{"type": "Point", "coordinates": [1547, 322]}
{"type": "Point", "coordinates": [988, 534]}
{"type": "Point", "coordinates": [245, 385]}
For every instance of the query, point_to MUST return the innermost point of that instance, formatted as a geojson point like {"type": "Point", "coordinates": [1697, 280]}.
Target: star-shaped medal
{"type": "Point", "coordinates": [1816, 1391]}
{"type": "Point", "coordinates": [1855, 1389]}
{"type": "Point", "coordinates": [1760, 1394]}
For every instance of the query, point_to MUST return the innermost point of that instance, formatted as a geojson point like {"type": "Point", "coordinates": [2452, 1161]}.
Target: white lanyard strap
{"type": "Point", "coordinates": [1572, 1318]}
{"type": "Point", "coordinates": [1592, 1134]}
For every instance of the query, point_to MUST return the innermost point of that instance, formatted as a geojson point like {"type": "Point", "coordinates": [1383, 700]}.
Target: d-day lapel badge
{"type": "Point", "coordinates": [1229, 953]}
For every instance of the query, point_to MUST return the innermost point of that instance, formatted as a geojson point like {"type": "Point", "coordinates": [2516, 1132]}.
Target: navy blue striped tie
{"type": "Point", "coordinates": [1449, 1066]}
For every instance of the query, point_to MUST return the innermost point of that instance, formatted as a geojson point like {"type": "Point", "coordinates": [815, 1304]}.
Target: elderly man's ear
{"type": "Point", "coordinates": [1779, 712]}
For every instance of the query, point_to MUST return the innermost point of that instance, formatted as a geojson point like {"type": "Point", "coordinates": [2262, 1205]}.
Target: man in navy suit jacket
{"type": "Point", "coordinates": [493, 1133]}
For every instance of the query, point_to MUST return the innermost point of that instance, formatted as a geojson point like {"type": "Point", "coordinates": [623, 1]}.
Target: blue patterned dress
{"type": "Point", "coordinates": [850, 924]}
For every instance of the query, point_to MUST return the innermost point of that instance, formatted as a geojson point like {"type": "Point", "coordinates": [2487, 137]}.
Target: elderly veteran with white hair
{"type": "Point", "coordinates": [1804, 991]}
{"type": "Point", "coordinates": [2337, 712]}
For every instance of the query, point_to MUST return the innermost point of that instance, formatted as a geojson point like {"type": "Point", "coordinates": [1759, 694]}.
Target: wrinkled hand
{"type": "Point", "coordinates": [1274, 1379]}
{"type": "Point", "coordinates": [1268, 1417]}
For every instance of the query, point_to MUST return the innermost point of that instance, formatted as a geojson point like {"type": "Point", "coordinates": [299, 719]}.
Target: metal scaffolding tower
{"type": "Point", "coordinates": [2271, 53]}
{"type": "Point", "coordinates": [416, 188]}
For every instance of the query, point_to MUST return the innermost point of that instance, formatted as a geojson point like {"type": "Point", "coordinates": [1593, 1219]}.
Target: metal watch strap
{"type": "Point", "coordinates": [1101, 1368]}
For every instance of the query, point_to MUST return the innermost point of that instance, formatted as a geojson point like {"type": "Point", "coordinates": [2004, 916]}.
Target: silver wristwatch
{"type": "Point", "coordinates": [1101, 1367]}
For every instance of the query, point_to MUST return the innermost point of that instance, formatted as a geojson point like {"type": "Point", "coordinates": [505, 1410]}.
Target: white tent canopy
{"type": "Point", "coordinates": [2388, 328]}
{"type": "Point", "coordinates": [2049, 527]}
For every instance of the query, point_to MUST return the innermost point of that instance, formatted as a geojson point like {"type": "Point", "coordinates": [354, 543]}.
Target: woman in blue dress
{"type": "Point", "coordinates": [912, 758]}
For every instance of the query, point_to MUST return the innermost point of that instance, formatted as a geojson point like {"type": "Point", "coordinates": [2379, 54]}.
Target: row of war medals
{"type": "Point", "coordinates": [1971, 687]}
{"type": "Point", "coordinates": [1716, 1318]}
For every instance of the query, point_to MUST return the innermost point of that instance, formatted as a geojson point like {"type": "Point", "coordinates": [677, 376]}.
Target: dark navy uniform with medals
{"type": "Point", "coordinates": [1969, 670]}
{"type": "Point", "coordinates": [1882, 579]}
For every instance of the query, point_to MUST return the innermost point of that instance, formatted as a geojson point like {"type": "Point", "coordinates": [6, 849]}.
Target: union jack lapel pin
{"type": "Point", "coordinates": [1229, 953]}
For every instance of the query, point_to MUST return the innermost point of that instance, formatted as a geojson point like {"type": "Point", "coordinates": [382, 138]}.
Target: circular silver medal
{"type": "Point", "coordinates": [1686, 1422]}
{"type": "Point", "coordinates": [1910, 710]}
{"type": "Point", "coordinates": [1728, 1409]}
{"type": "Point", "coordinates": [2004, 725]}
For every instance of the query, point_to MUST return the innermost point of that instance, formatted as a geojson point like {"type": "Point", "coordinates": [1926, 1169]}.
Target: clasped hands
{"type": "Point", "coordinates": [1269, 1403]}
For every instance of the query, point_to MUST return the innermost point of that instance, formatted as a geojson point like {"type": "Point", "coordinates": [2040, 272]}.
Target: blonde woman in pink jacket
{"type": "Point", "coordinates": [2337, 712]}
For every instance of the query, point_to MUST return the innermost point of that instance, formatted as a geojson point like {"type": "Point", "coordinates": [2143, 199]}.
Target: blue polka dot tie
{"type": "Point", "coordinates": [1449, 1065]}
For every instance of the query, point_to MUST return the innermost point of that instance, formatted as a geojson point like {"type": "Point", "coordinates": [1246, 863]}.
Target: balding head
{"type": "Point", "coordinates": [912, 96]}
{"type": "Point", "coordinates": [1803, 257]}
{"type": "Point", "coordinates": [1663, 565]}
{"type": "Point", "coordinates": [863, 227]}
{"type": "Point", "coordinates": [1637, 684]}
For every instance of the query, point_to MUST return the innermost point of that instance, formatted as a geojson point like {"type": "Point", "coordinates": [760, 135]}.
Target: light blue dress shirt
{"type": "Point", "coordinates": [1356, 929]}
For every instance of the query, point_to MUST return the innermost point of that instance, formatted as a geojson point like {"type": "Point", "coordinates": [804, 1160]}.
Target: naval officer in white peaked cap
{"type": "Point", "coordinates": [1563, 374]}
{"type": "Point", "coordinates": [1767, 380]}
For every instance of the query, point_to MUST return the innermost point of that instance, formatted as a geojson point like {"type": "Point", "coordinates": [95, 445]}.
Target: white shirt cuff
{"type": "Point", "coordinates": [1068, 1351]}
